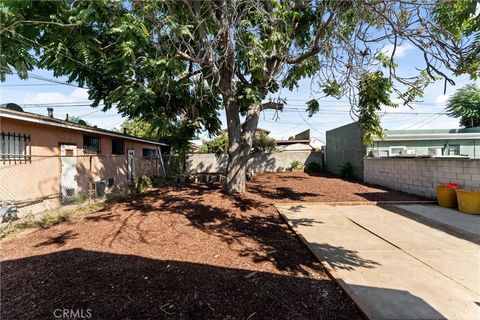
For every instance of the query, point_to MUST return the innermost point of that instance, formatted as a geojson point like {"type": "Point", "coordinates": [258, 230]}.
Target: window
{"type": "Point", "coordinates": [149, 153]}
{"type": "Point", "coordinates": [117, 147]}
{"type": "Point", "coordinates": [398, 151]}
{"type": "Point", "coordinates": [14, 147]}
{"type": "Point", "coordinates": [454, 150]}
{"type": "Point", "coordinates": [91, 144]}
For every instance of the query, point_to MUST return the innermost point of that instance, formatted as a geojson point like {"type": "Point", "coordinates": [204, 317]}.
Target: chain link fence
{"type": "Point", "coordinates": [39, 183]}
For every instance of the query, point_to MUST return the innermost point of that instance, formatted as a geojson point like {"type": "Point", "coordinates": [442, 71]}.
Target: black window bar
{"type": "Point", "coordinates": [15, 148]}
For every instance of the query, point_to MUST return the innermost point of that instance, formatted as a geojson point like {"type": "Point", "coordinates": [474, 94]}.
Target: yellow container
{"type": "Point", "coordinates": [446, 197]}
{"type": "Point", "coordinates": [468, 201]}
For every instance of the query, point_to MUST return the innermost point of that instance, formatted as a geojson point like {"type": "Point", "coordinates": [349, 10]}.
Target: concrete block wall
{"type": "Point", "coordinates": [260, 162]}
{"type": "Point", "coordinates": [422, 176]}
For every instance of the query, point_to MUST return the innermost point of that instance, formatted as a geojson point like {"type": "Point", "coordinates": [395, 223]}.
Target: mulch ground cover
{"type": "Point", "coordinates": [188, 252]}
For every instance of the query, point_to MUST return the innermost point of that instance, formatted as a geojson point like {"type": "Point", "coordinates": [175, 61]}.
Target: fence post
{"type": "Point", "coordinates": [90, 180]}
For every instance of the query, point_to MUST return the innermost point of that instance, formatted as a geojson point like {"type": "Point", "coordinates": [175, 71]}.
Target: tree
{"type": "Point", "coordinates": [182, 60]}
{"type": "Point", "coordinates": [140, 128]}
{"type": "Point", "coordinates": [465, 104]}
{"type": "Point", "coordinates": [261, 143]}
{"type": "Point", "coordinates": [175, 134]}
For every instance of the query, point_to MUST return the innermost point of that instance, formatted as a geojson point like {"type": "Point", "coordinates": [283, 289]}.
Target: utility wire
{"type": "Point", "coordinates": [32, 84]}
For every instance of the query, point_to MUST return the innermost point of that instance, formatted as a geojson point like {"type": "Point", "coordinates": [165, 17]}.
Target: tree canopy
{"type": "Point", "coordinates": [465, 104]}
{"type": "Point", "coordinates": [175, 134]}
{"type": "Point", "coordinates": [261, 143]}
{"type": "Point", "coordinates": [180, 61]}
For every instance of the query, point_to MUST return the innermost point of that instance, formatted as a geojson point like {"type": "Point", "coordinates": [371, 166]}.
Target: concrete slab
{"type": "Point", "coordinates": [449, 218]}
{"type": "Point", "coordinates": [393, 267]}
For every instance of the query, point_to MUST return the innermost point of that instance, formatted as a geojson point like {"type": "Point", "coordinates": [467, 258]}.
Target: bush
{"type": "Point", "coordinates": [263, 143]}
{"type": "Point", "coordinates": [295, 165]}
{"type": "Point", "coordinates": [219, 146]}
{"type": "Point", "coordinates": [346, 170]}
{"type": "Point", "coordinates": [143, 184]}
{"type": "Point", "coordinates": [314, 167]}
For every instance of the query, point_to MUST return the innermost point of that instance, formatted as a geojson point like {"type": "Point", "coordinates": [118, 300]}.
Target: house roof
{"type": "Point", "coordinates": [258, 129]}
{"type": "Point", "coordinates": [431, 134]}
{"type": "Point", "coordinates": [41, 119]}
{"type": "Point", "coordinates": [285, 142]}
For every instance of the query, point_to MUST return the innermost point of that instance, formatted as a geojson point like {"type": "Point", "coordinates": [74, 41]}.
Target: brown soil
{"type": "Point", "coordinates": [182, 253]}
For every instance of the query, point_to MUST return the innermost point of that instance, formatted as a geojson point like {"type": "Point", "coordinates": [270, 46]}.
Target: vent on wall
{"type": "Point", "coordinates": [99, 189]}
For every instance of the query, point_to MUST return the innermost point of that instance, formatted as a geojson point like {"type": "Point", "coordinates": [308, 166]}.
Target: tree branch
{"type": "Point", "coordinates": [316, 42]}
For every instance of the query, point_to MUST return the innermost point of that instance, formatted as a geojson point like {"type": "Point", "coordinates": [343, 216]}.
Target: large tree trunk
{"type": "Point", "coordinates": [239, 145]}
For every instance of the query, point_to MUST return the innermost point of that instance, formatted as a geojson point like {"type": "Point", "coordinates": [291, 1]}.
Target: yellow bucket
{"type": "Point", "coordinates": [446, 197]}
{"type": "Point", "coordinates": [468, 201]}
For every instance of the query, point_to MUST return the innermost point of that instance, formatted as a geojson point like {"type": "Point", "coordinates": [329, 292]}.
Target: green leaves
{"type": "Point", "coordinates": [219, 146]}
{"type": "Point", "coordinates": [374, 92]}
{"type": "Point", "coordinates": [465, 104]}
{"type": "Point", "coordinates": [332, 88]}
{"type": "Point", "coordinates": [312, 107]}
{"type": "Point", "coordinates": [307, 68]}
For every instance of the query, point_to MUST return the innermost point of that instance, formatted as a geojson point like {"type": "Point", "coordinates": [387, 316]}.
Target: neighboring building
{"type": "Point", "coordinates": [345, 144]}
{"type": "Point", "coordinates": [435, 142]}
{"type": "Point", "coordinates": [299, 142]}
{"type": "Point", "coordinates": [47, 161]}
{"type": "Point", "coordinates": [267, 132]}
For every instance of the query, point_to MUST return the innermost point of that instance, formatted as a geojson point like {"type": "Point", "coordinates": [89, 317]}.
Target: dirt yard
{"type": "Point", "coordinates": [182, 253]}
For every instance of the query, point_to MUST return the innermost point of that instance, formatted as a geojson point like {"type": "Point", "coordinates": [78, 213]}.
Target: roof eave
{"type": "Point", "coordinates": [62, 124]}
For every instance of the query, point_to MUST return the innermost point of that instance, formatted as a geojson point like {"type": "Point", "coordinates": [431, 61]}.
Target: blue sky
{"type": "Point", "coordinates": [35, 95]}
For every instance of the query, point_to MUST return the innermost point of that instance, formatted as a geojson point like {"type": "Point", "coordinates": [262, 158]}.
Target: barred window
{"type": "Point", "coordinates": [117, 146]}
{"type": "Point", "coordinates": [149, 153]}
{"type": "Point", "coordinates": [91, 144]}
{"type": "Point", "coordinates": [15, 147]}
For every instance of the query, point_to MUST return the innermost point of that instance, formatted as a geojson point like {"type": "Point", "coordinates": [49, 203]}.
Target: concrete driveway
{"type": "Point", "coordinates": [392, 266]}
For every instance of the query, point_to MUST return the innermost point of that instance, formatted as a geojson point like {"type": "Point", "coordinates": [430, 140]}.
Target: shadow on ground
{"type": "Point", "coordinates": [117, 286]}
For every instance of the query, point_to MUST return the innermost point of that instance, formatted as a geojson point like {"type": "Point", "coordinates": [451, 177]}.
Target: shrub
{"type": "Point", "coordinates": [295, 165]}
{"type": "Point", "coordinates": [219, 146]}
{"type": "Point", "coordinates": [346, 170]}
{"type": "Point", "coordinates": [263, 143]}
{"type": "Point", "coordinates": [314, 167]}
{"type": "Point", "coordinates": [143, 184]}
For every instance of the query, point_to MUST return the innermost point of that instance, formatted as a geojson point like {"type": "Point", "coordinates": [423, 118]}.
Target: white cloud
{"type": "Point", "coordinates": [442, 99]}
{"type": "Point", "coordinates": [77, 95]}
{"type": "Point", "coordinates": [400, 51]}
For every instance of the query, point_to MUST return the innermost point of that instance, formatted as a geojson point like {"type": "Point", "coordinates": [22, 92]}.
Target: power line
{"type": "Point", "coordinates": [31, 75]}
{"type": "Point", "coordinates": [32, 85]}
{"type": "Point", "coordinates": [346, 102]}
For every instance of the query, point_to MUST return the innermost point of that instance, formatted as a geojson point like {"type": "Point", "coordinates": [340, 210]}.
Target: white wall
{"type": "Point", "coordinates": [421, 176]}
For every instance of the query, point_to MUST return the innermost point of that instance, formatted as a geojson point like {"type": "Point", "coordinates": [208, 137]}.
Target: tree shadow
{"type": "Point", "coordinates": [117, 286]}
{"type": "Point", "coordinates": [281, 193]}
{"type": "Point", "coordinates": [340, 257]}
{"type": "Point", "coordinates": [251, 227]}
{"type": "Point", "coordinates": [59, 240]}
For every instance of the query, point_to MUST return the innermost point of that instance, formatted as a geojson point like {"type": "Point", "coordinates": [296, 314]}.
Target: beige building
{"type": "Point", "coordinates": [47, 161]}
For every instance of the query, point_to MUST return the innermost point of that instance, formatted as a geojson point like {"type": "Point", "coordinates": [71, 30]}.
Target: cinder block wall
{"type": "Point", "coordinates": [421, 176]}
{"type": "Point", "coordinates": [261, 162]}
